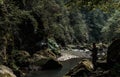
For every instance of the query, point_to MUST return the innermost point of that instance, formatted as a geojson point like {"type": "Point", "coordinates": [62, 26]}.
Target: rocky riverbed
{"type": "Point", "coordinates": [66, 56]}
{"type": "Point", "coordinates": [41, 61]}
{"type": "Point", "coordinates": [68, 59]}
{"type": "Point", "coordinates": [74, 53]}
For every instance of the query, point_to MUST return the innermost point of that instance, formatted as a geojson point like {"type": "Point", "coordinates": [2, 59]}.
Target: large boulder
{"type": "Point", "coordinates": [82, 69]}
{"type": "Point", "coordinates": [6, 72]}
{"type": "Point", "coordinates": [46, 52]}
{"type": "Point", "coordinates": [45, 62]}
{"type": "Point", "coordinates": [39, 59]}
{"type": "Point", "coordinates": [113, 53]}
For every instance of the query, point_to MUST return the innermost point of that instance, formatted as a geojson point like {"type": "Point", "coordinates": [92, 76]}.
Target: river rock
{"type": "Point", "coordinates": [6, 72]}
{"type": "Point", "coordinates": [39, 59]}
{"type": "Point", "coordinates": [46, 52]}
{"type": "Point", "coordinates": [44, 62]}
{"type": "Point", "coordinates": [82, 69]}
{"type": "Point", "coordinates": [113, 53]}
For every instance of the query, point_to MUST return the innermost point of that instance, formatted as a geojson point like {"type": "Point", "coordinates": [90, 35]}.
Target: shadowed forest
{"type": "Point", "coordinates": [34, 34]}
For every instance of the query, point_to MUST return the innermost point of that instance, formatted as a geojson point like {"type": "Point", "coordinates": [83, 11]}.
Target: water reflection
{"type": "Point", "coordinates": [67, 65]}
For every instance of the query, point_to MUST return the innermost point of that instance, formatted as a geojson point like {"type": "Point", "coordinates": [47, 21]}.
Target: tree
{"type": "Point", "coordinates": [112, 29]}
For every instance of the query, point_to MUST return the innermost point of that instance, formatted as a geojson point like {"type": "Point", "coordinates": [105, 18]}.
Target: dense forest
{"type": "Point", "coordinates": [25, 24]}
{"type": "Point", "coordinates": [28, 25]}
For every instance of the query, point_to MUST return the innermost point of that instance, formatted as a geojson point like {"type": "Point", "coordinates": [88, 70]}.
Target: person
{"type": "Point", "coordinates": [94, 55]}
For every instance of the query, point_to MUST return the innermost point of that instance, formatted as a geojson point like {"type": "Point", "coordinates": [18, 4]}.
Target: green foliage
{"type": "Point", "coordinates": [79, 26]}
{"type": "Point", "coordinates": [105, 5]}
{"type": "Point", "coordinates": [1, 2]}
{"type": "Point", "coordinates": [27, 23]}
{"type": "Point", "coordinates": [112, 29]}
{"type": "Point", "coordinates": [53, 46]}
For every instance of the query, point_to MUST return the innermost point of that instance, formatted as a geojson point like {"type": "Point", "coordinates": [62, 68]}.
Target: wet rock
{"type": "Point", "coordinates": [6, 72]}
{"type": "Point", "coordinates": [113, 53]}
{"type": "Point", "coordinates": [82, 69]}
{"type": "Point", "coordinates": [46, 52]}
{"type": "Point", "coordinates": [39, 59]}
{"type": "Point", "coordinates": [52, 64]}
{"type": "Point", "coordinates": [43, 62]}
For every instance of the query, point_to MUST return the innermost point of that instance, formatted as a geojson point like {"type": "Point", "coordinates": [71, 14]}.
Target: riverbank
{"type": "Point", "coordinates": [68, 59]}
{"type": "Point", "coordinates": [67, 65]}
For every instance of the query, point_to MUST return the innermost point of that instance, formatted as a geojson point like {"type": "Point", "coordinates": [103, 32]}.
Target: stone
{"type": "Point", "coordinates": [113, 53]}
{"type": "Point", "coordinates": [46, 52]}
{"type": "Point", "coordinates": [6, 72]}
{"type": "Point", "coordinates": [83, 68]}
{"type": "Point", "coordinates": [39, 59]}
{"type": "Point", "coordinates": [44, 62]}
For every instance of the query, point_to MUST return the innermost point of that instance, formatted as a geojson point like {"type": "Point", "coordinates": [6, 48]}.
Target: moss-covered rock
{"type": "Point", "coordinates": [45, 61]}
{"type": "Point", "coordinates": [46, 52]}
{"type": "Point", "coordinates": [6, 72]}
{"type": "Point", "coordinates": [39, 59]}
{"type": "Point", "coordinates": [82, 69]}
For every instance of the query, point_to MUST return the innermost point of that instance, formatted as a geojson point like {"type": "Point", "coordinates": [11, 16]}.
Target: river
{"type": "Point", "coordinates": [67, 65]}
